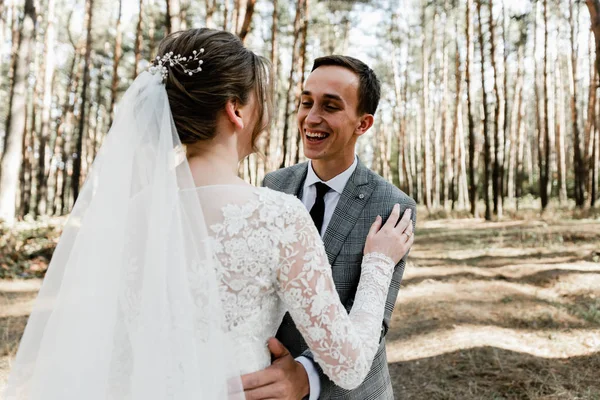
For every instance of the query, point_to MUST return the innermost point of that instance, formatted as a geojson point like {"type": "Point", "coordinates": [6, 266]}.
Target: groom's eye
{"type": "Point", "coordinates": [306, 103]}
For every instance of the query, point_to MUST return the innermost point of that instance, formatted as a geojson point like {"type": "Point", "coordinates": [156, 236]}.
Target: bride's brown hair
{"type": "Point", "coordinates": [229, 71]}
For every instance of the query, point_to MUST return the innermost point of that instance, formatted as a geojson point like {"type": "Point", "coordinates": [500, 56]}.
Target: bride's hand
{"type": "Point", "coordinates": [394, 238]}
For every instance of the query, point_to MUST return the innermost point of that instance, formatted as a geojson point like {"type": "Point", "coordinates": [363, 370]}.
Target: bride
{"type": "Point", "coordinates": [172, 273]}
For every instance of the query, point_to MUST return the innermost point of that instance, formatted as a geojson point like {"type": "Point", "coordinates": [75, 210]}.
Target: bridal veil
{"type": "Point", "coordinates": [117, 316]}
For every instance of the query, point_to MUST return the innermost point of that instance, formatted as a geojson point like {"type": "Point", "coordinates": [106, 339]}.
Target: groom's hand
{"type": "Point", "coordinates": [284, 379]}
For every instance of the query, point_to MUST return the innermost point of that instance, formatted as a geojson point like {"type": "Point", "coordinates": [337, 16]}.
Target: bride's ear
{"type": "Point", "coordinates": [232, 110]}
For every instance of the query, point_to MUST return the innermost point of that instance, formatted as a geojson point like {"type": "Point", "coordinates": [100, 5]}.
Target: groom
{"type": "Point", "coordinates": [337, 106]}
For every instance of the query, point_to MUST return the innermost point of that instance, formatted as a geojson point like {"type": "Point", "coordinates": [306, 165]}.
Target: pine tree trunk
{"type": "Point", "coordinates": [498, 121]}
{"type": "Point", "coordinates": [12, 155]}
{"type": "Point", "coordinates": [301, 71]}
{"type": "Point", "coordinates": [573, 78]}
{"type": "Point", "coordinates": [293, 66]}
{"type": "Point", "coordinates": [75, 179]}
{"type": "Point", "coordinates": [504, 127]}
{"type": "Point", "coordinates": [48, 78]}
{"type": "Point", "coordinates": [561, 125]}
{"type": "Point", "coordinates": [427, 173]}
{"type": "Point", "coordinates": [245, 29]}
{"type": "Point", "coordinates": [168, 20]}
{"type": "Point", "coordinates": [545, 182]}
{"type": "Point", "coordinates": [98, 119]}
{"type": "Point", "coordinates": [459, 192]}
{"type": "Point", "coordinates": [408, 144]}
{"type": "Point", "coordinates": [447, 148]}
{"type": "Point", "coordinates": [59, 137]}
{"type": "Point", "coordinates": [137, 48]}
{"type": "Point", "coordinates": [484, 121]}
{"type": "Point", "coordinates": [210, 7]}
{"type": "Point", "coordinates": [471, 122]}
{"type": "Point", "coordinates": [274, 57]}
{"type": "Point", "coordinates": [117, 53]}
{"type": "Point", "coordinates": [516, 143]}
{"type": "Point", "coordinates": [590, 152]}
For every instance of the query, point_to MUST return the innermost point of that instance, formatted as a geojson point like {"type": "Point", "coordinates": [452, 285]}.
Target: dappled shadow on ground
{"type": "Point", "coordinates": [494, 373]}
{"type": "Point", "coordinates": [511, 312]}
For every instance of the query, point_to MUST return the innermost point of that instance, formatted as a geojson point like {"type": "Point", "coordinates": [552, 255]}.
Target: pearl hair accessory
{"type": "Point", "coordinates": [171, 60]}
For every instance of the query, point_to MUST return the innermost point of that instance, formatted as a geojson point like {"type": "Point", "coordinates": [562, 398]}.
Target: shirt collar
{"type": "Point", "coordinates": [337, 183]}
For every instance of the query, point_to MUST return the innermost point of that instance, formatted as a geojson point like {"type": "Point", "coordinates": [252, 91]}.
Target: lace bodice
{"type": "Point", "coordinates": [270, 259]}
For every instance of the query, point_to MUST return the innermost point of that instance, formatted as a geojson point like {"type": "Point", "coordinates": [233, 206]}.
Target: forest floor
{"type": "Point", "coordinates": [487, 310]}
{"type": "Point", "coordinates": [499, 310]}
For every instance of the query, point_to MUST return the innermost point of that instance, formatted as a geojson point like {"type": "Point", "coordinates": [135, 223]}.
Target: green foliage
{"type": "Point", "coordinates": [26, 250]}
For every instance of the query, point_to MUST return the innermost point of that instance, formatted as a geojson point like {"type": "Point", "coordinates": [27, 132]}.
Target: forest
{"type": "Point", "coordinates": [489, 119]}
{"type": "Point", "coordinates": [485, 104]}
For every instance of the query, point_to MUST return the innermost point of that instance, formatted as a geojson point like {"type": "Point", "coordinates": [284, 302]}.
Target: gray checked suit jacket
{"type": "Point", "coordinates": [365, 196]}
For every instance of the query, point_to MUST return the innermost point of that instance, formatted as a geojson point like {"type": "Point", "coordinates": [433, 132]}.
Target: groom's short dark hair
{"type": "Point", "coordinates": [369, 87]}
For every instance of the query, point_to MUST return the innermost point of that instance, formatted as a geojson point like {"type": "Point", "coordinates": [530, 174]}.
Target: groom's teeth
{"type": "Point", "coordinates": [316, 135]}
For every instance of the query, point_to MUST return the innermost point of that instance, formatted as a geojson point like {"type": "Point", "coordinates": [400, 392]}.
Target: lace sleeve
{"type": "Point", "coordinates": [343, 344]}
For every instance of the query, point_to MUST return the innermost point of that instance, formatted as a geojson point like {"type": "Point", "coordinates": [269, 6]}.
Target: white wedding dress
{"type": "Point", "coordinates": [161, 290]}
{"type": "Point", "coordinates": [270, 259]}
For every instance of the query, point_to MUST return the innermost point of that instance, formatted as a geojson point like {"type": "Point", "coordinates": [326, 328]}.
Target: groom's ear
{"type": "Point", "coordinates": [364, 124]}
{"type": "Point", "coordinates": [232, 110]}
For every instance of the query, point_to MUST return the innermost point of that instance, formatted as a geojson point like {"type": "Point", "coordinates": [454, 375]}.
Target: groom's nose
{"type": "Point", "coordinates": [313, 117]}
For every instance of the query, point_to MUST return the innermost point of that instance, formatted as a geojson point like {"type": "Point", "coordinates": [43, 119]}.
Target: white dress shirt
{"type": "Point", "coordinates": [309, 196]}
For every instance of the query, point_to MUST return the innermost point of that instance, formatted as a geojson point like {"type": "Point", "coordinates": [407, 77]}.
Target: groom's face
{"type": "Point", "coordinates": [327, 117]}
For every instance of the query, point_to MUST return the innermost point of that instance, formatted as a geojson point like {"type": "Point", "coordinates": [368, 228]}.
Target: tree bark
{"type": "Point", "coordinates": [301, 71]}
{"type": "Point", "coordinates": [245, 29]}
{"type": "Point", "coordinates": [515, 137]}
{"type": "Point", "coordinates": [117, 53]}
{"type": "Point", "coordinates": [137, 48]}
{"type": "Point", "coordinates": [75, 179]}
{"type": "Point", "coordinates": [497, 122]}
{"type": "Point", "coordinates": [471, 122]}
{"type": "Point", "coordinates": [545, 174]}
{"type": "Point", "coordinates": [293, 66]}
{"type": "Point", "coordinates": [48, 77]}
{"type": "Point", "coordinates": [446, 117]}
{"type": "Point", "coordinates": [484, 118]}
{"type": "Point", "coordinates": [210, 6]}
{"type": "Point", "coordinates": [559, 106]}
{"type": "Point", "coordinates": [12, 156]}
{"type": "Point", "coordinates": [427, 178]}
{"type": "Point", "coordinates": [573, 78]}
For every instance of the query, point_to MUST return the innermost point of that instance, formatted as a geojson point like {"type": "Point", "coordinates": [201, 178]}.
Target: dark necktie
{"type": "Point", "coordinates": [318, 210]}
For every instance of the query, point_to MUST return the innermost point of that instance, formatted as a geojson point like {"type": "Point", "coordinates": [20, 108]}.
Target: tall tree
{"type": "Point", "coordinates": [117, 53]}
{"type": "Point", "coordinates": [470, 118]}
{"type": "Point", "coordinates": [75, 179]}
{"type": "Point", "coordinates": [498, 120]}
{"type": "Point", "coordinates": [12, 156]}
{"type": "Point", "coordinates": [573, 90]}
{"type": "Point", "coordinates": [544, 142]}
{"type": "Point", "coordinates": [245, 29]}
{"type": "Point", "coordinates": [293, 68]}
{"type": "Point", "coordinates": [137, 48]}
{"type": "Point", "coordinates": [484, 119]}
{"type": "Point", "coordinates": [425, 115]}
{"type": "Point", "coordinates": [48, 77]}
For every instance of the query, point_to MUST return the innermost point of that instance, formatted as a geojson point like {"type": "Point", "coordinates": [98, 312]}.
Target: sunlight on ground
{"type": "Point", "coordinates": [522, 291]}
{"type": "Point", "coordinates": [547, 344]}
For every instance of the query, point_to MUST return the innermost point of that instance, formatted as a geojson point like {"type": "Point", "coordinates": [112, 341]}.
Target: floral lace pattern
{"type": "Point", "coordinates": [270, 259]}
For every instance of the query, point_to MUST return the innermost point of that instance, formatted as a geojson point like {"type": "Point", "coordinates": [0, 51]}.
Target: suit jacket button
{"type": "Point", "coordinates": [361, 196]}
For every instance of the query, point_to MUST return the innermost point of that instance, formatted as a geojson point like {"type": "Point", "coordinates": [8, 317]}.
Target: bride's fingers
{"type": "Point", "coordinates": [375, 227]}
{"type": "Point", "coordinates": [409, 228]}
{"type": "Point", "coordinates": [393, 218]}
{"type": "Point", "coordinates": [405, 221]}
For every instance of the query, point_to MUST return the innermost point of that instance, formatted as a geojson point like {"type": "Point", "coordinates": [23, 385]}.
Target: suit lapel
{"type": "Point", "coordinates": [352, 201]}
{"type": "Point", "coordinates": [293, 183]}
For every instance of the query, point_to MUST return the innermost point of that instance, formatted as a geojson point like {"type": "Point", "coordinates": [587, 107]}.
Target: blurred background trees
{"type": "Point", "coordinates": [487, 105]}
